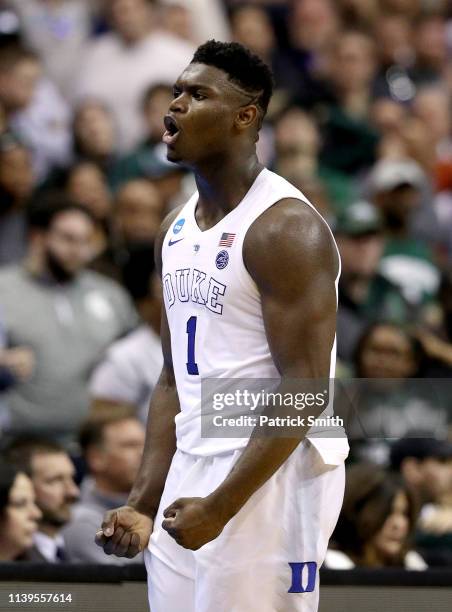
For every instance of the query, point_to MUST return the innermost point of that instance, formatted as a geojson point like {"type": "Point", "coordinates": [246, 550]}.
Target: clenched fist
{"type": "Point", "coordinates": [192, 522]}
{"type": "Point", "coordinates": [125, 532]}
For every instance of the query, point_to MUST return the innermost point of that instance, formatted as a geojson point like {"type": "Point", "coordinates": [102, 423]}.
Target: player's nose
{"type": "Point", "coordinates": [179, 104]}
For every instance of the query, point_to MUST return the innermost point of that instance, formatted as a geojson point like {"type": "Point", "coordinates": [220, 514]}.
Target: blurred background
{"type": "Point", "coordinates": [360, 122]}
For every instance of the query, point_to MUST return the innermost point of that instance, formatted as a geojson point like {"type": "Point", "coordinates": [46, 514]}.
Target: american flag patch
{"type": "Point", "coordinates": [226, 239]}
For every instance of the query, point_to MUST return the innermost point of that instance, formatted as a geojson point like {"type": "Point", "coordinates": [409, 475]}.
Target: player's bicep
{"type": "Point", "coordinates": [291, 255]}
{"type": "Point", "coordinates": [300, 330]}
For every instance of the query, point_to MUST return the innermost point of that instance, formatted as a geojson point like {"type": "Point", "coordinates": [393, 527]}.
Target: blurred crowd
{"type": "Point", "coordinates": [361, 122]}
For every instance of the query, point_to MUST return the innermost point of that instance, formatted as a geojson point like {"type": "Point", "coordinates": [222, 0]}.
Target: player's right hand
{"type": "Point", "coordinates": [125, 532]}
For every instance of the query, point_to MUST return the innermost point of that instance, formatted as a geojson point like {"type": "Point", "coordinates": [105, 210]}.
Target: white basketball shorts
{"type": "Point", "coordinates": [268, 556]}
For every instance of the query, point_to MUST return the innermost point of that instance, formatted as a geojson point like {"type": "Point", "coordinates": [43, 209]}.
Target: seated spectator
{"type": "Point", "coordinates": [365, 295]}
{"type": "Point", "coordinates": [112, 441]}
{"type": "Point", "coordinates": [387, 115]}
{"type": "Point", "coordinates": [311, 25]}
{"type": "Point", "coordinates": [155, 104]}
{"type": "Point", "coordinates": [387, 350]}
{"type": "Point", "coordinates": [132, 365]}
{"type": "Point", "coordinates": [207, 18]}
{"type": "Point", "coordinates": [137, 215]}
{"type": "Point", "coordinates": [69, 315]}
{"type": "Point", "coordinates": [177, 19]}
{"type": "Point", "coordinates": [134, 48]}
{"type": "Point", "coordinates": [52, 474]}
{"type": "Point", "coordinates": [94, 134]}
{"type": "Point", "coordinates": [376, 523]}
{"type": "Point", "coordinates": [350, 141]}
{"type": "Point", "coordinates": [431, 105]}
{"type": "Point", "coordinates": [431, 53]}
{"type": "Point", "coordinates": [16, 186]}
{"type": "Point", "coordinates": [390, 401]}
{"type": "Point", "coordinates": [19, 514]}
{"type": "Point", "coordinates": [426, 467]}
{"type": "Point", "coordinates": [252, 27]}
{"type": "Point", "coordinates": [407, 260]}
{"type": "Point", "coordinates": [57, 31]}
{"type": "Point", "coordinates": [34, 109]}
{"type": "Point", "coordinates": [86, 185]}
{"type": "Point", "coordinates": [393, 36]}
{"type": "Point", "coordinates": [297, 143]}
{"type": "Point", "coordinates": [138, 212]}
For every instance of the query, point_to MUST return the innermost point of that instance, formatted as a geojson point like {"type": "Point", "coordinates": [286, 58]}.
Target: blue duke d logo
{"type": "Point", "coordinates": [304, 577]}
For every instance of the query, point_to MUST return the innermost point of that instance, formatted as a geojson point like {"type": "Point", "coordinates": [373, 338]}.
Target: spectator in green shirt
{"type": "Point", "coordinates": [365, 295]}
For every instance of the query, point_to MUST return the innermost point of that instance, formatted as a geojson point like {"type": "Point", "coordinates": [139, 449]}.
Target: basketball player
{"type": "Point", "coordinates": [249, 273]}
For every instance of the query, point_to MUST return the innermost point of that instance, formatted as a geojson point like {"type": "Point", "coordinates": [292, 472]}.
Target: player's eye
{"type": "Point", "coordinates": [176, 92]}
{"type": "Point", "coordinates": [199, 96]}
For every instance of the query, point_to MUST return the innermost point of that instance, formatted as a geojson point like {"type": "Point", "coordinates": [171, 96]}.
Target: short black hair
{"type": "Point", "coordinates": [242, 67]}
{"type": "Point", "coordinates": [420, 449]}
{"type": "Point", "coordinates": [21, 450]}
{"type": "Point", "coordinates": [12, 54]}
{"type": "Point", "coordinates": [47, 205]}
{"type": "Point", "coordinates": [105, 413]}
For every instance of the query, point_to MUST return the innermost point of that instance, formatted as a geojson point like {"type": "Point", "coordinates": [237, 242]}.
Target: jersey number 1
{"type": "Point", "coordinates": [192, 366]}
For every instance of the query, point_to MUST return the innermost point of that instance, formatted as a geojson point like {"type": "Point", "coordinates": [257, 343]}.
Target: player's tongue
{"type": "Point", "coordinates": [172, 131]}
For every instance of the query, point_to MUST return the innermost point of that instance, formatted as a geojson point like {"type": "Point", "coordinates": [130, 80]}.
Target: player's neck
{"type": "Point", "coordinates": [222, 185]}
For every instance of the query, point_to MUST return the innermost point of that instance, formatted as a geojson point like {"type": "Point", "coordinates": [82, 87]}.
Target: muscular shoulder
{"type": "Point", "coordinates": [164, 227]}
{"type": "Point", "coordinates": [287, 245]}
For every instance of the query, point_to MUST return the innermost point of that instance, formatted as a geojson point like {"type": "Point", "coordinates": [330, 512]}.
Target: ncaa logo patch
{"type": "Point", "coordinates": [222, 260]}
{"type": "Point", "coordinates": [178, 226]}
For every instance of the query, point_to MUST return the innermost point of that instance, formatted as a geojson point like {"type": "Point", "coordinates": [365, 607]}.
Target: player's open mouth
{"type": "Point", "coordinates": [172, 130]}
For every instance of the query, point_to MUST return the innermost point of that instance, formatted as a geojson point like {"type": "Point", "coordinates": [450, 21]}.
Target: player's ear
{"type": "Point", "coordinates": [246, 117]}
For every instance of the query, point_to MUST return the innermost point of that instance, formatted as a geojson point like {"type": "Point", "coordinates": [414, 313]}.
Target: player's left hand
{"type": "Point", "coordinates": [192, 522]}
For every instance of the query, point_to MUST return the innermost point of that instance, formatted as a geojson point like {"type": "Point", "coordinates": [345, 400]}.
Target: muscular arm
{"type": "Point", "coordinates": [290, 254]}
{"type": "Point", "coordinates": [160, 444]}
{"type": "Point", "coordinates": [126, 530]}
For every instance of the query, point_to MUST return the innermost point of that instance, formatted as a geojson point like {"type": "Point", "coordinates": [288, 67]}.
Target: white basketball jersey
{"type": "Point", "coordinates": [214, 312]}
